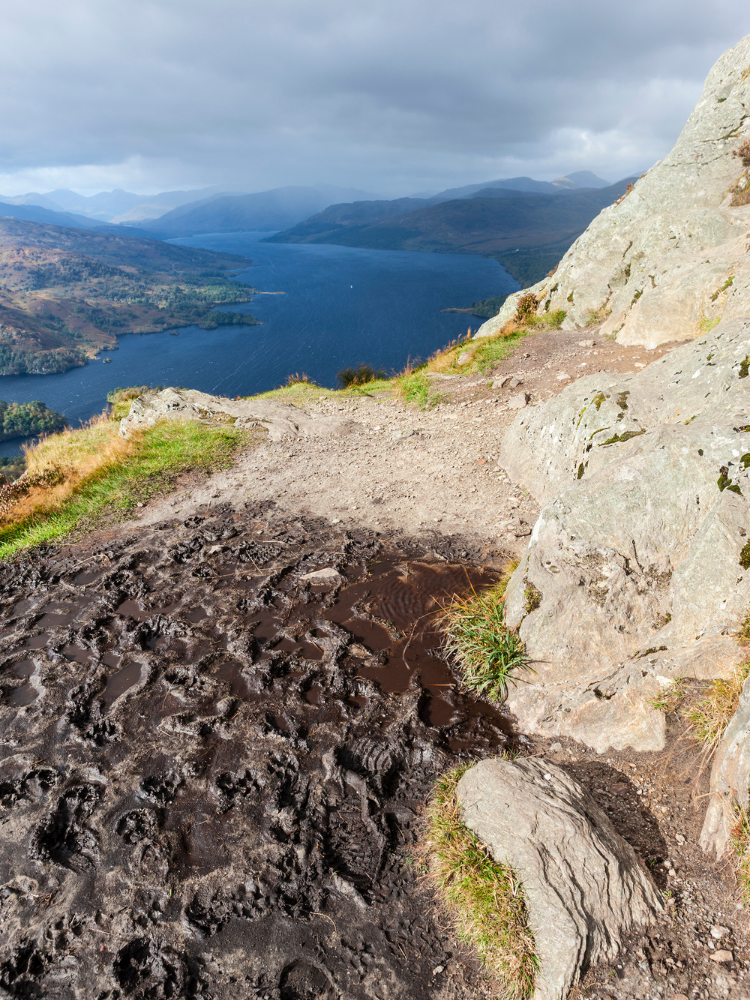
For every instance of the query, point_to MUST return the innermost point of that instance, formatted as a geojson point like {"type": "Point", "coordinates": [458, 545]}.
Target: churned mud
{"type": "Point", "coordinates": [213, 770]}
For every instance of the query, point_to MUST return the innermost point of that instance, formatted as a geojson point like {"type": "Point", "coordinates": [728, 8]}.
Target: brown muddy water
{"type": "Point", "coordinates": [213, 772]}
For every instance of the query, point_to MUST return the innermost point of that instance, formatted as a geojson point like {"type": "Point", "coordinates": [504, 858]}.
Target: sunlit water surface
{"type": "Point", "coordinates": [340, 306]}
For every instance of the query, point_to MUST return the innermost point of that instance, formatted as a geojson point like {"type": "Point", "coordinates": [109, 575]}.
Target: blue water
{"type": "Point", "coordinates": [341, 306]}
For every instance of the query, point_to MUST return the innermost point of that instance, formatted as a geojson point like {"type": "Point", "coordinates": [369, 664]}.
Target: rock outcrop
{"type": "Point", "coordinates": [279, 419]}
{"type": "Point", "coordinates": [638, 568]}
{"type": "Point", "coordinates": [730, 780]}
{"type": "Point", "coordinates": [584, 887]}
{"type": "Point", "coordinates": [672, 256]}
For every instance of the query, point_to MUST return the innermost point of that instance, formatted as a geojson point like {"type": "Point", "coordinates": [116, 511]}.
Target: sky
{"type": "Point", "coordinates": [391, 96]}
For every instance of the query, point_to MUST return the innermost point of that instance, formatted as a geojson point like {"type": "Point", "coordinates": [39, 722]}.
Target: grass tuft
{"type": "Point", "coordinates": [361, 375]}
{"type": "Point", "coordinates": [740, 842]}
{"type": "Point", "coordinates": [299, 378]}
{"type": "Point", "coordinates": [669, 700]}
{"type": "Point", "coordinates": [485, 648]}
{"type": "Point", "coordinates": [97, 475]}
{"type": "Point", "coordinates": [483, 898]}
{"type": "Point", "coordinates": [709, 717]}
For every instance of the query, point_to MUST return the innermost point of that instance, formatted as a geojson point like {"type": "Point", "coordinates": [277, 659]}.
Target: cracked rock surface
{"type": "Point", "coordinates": [634, 574]}
{"type": "Point", "coordinates": [585, 889]}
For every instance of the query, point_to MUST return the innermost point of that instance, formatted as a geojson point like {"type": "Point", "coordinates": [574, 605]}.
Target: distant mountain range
{"type": "Point", "coordinates": [525, 223]}
{"type": "Point", "coordinates": [526, 228]}
{"type": "Point", "coordinates": [279, 208]}
{"type": "Point", "coordinates": [275, 209]}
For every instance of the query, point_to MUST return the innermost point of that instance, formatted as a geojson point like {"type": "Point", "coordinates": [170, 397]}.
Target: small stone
{"type": "Point", "coordinates": [585, 343]}
{"type": "Point", "coordinates": [327, 575]}
{"type": "Point", "coordinates": [718, 932]}
{"type": "Point", "coordinates": [639, 364]}
{"type": "Point", "coordinates": [501, 382]}
{"type": "Point", "coordinates": [518, 401]}
{"type": "Point", "coordinates": [562, 376]}
{"type": "Point", "coordinates": [437, 970]}
{"type": "Point", "coordinates": [722, 957]}
{"type": "Point", "coordinates": [556, 748]}
{"type": "Point", "coordinates": [515, 382]}
{"type": "Point", "coordinates": [398, 435]}
{"type": "Point", "coordinates": [464, 357]}
{"type": "Point", "coordinates": [679, 996]}
{"type": "Point", "coordinates": [679, 838]}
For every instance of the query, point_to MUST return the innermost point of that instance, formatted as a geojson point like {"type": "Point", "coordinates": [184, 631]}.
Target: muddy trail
{"type": "Point", "coordinates": [213, 769]}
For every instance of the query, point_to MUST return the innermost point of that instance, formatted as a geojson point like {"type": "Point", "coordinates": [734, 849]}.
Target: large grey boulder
{"type": "Point", "coordinates": [633, 574]}
{"type": "Point", "coordinates": [584, 886]}
{"type": "Point", "coordinates": [674, 253]}
{"type": "Point", "coordinates": [279, 419]}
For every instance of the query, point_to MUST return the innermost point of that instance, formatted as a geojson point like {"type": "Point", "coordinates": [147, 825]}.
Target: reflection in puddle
{"type": "Point", "coordinates": [24, 669]}
{"type": "Point", "coordinates": [24, 695]}
{"type": "Point", "coordinates": [77, 654]}
{"type": "Point", "coordinates": [121, 682]}
{"type": "Point", "coordinates": [37, 641]}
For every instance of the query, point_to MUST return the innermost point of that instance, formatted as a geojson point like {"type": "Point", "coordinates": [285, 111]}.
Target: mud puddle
{"type": "Point", "coordinates": [218, 783]}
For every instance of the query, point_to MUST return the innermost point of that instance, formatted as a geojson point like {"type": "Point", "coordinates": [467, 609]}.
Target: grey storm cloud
{"type": "Point", "coordinates": [391, 95]}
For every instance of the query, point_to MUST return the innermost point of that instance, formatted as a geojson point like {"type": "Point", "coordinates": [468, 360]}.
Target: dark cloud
{"type": "Point", "coordinates": [392, 95]}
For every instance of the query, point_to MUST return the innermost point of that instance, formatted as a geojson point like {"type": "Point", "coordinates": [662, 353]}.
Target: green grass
{"type": "Point", "coordinates": [669, 700]}
{"type": "Point", "coordinates": [416, 389]}
{"type": "Point", "coordinates": [707, 325]}
{"type": "Point", "coordinates": [491, 350]}
{"type": "Point", "coordinates": [158, 457]}
{"type": "Point", "coordinates": [486, 649]}
{"type": "Point", "coordinates": [484, 899]}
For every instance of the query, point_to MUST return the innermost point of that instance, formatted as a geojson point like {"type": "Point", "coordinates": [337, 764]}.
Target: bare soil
{"type": "Point", "coordinates": [213, 771]}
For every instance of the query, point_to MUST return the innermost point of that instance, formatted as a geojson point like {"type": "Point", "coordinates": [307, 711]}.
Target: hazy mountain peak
{"type": "Point", "coordinates": [586, 179]}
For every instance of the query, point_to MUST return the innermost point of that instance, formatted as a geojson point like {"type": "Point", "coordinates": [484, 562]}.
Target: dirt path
{"type": "Point", "coordinates": [424, 473]}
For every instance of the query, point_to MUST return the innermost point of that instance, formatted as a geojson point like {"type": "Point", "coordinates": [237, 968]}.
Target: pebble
{"type": "Point", "coordinates": [556, 748]}
{"type": "Point", "coordinates": [722, 956]}
{"type": "Point", "coordinates": [437, 970]}
{"type": "Point", "coordinates": [464, 357]}
{"type": "Point", "coordinates": [500, 383]}
{"type": "Point", "coordinates": [679, 838]}
{"type": "Point", "coordinates": [562, 376]}
{"type": "Point", "coordinates": [518, 401]}
{"type": "Point", "coordinates": [585, 343]}
{"type": "Point", "coordinates": [718, 932]}
{"type": "Point", "coordinates": [327, 575]}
